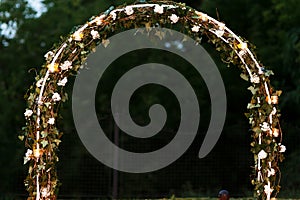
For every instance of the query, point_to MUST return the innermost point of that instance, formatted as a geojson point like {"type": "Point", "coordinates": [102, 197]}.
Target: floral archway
{"type": "Point", "coordinates": [42, 136]}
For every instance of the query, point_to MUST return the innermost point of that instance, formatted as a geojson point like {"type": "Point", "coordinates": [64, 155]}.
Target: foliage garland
{"type": "Point", "coordinates": [44, 97]}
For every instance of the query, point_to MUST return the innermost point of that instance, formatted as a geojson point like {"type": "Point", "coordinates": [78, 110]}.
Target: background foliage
{"type": "Point", "coordinates": [272, 25]}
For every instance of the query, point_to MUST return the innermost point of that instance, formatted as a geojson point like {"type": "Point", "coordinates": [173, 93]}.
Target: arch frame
{"type": "Point", "coordinates": [41, 134]}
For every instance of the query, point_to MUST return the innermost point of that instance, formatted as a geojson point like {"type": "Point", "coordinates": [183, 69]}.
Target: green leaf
{"type": "Point", "coordinates": [244, 76]}
{"type": "Point", "coordinates": [252, 89]}
{"type": "Point", "coordinates": [44, 134]}
{"type": "Point", "coordinates": [269, 73]}
{"type": "Point", "coordinates": [41, 167]}
{"type": "Point", "coordinates": [25, 160]}
{"type": "Point", "coordinates": [21, 137]}
{"type": "Point", "coordinates": [47, 104]}
{"type": "Point", "coordinates": [251, 106]}
{"type": "Point", "coordinates": [44, 143]}
{"type": "Point", "coordinates": [256, 129]}
{"type": "Point", "coordinates": [57, 141]}
{"type": "Point", "coordinates": [81, 45]}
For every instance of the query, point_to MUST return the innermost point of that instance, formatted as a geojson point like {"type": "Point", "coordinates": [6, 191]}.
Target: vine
{"type": "Point", "coordinates": [42, 137]}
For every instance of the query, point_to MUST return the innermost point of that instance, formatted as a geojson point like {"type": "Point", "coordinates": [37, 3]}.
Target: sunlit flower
{"type": "Point", "coordinates": [62, 82]}
{"type": "Point", "coordinates": [56, 97]}
{"type": "Point", "coordinates": [262, 154]}
{"type": "Point", "coordinates": [78, 35]}
{"type": "Point", "coordinates": [51, 121]}
{"type": "Point", "coordinates": [271, 172]}
{"type": "Point", "coordinates": [37, 153]}
{"type": "Point", "coordinates": [268, 189]}
{"type": "Point", "coordinates": [52, 67]}
{"type": "Point", "coordinates": [196, 29]}
{"type": "Point", "coordinates": [242, 45]}
{"type": "Point", "coordinates": [129, 10]}
{"type": "Point", "coordinates": [265, 126]}
{"type": "Point", "coordinates": [159, 9]}
{"type": "Point", "coordinates": [219, 33]}
{"type": "Point", "coordinates": [28, 113]}
{"type": "Point", "coordinates": [282, 148]}
{"type": "Point", "coordinates": [39, 83]}
{"type": "Point", "coordinates": [174, 18]}
{"type": "Point", "coordinates": [95, 34]}
{"type": "Point", "coordinates": [275, 132]}
{"type": "Point", "coordinates": [66, 65]}
{"type": "Point", "coordinates": [274, 99]}
{"type": "Point", "coordinates": [255, 79]}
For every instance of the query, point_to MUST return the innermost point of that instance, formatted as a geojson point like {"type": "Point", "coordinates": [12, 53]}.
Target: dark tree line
{"type": "Point", "coordinates": [271, 25]}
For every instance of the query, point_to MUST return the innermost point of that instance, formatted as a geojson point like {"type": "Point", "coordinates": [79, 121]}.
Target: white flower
{"type": "Point", "coordinates": [242, 52]}
{"type": "Point", "coordinates": [202, 16]}
{"type": "Point", "coordinates": [56, 97]}
{"type": "Point", "coordinates": [98, 20]}
{"type": "Point", "coordinates": [39, 83]}
{"type": "Point", "coordinates": [113, 15]}
{"type": "Point", "coordinates": [265, 127]}
{"type": "Point", "coordinates": [174, 18]}
{"type": "Point", "coordinates": [51, 121]}
{"type": "Point", "coordinates": [268, 189]}
{"type": "Point", "coordinates": [28, 113]}
{"type": "Point", "coordinates": [159, 9]}
{"type": "Point", "coordinates": [66, 65]}
{"type": "Point", "coordinates": [45, 192]}
{"type": "Point", "coordinates": [219, 33]}
{"type": "Point", "coordinates": [282, 148]}
{"type": "Point", "coordinates": [49, 55]}
{"type": "Point", "coordinates": [221, 26]}
{"type": "Point", "coordinates": [78, 35]}
{"type": "Point", "coordinates": [262, 154]}
{"type": "Point", "coordinates": [129, 10]}
{"type": "Point", "coordinates": [274, 99]}
{"type": "Point", "coordinates": [196, 29]}
{"type": "Point", "coordinates": [62, 82]}
{"type": "Point", "coordinates": [28, 155]}
{"type": "Point", "coordinates": [255, 79]}
{"type": "Point", "coordinates": [95, 34]}
{"type": "Point", "coordinates": [271, 172]}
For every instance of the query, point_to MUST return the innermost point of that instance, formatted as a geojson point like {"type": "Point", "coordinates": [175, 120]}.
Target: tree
{"type": "Point", "coordinates": [271, 25]}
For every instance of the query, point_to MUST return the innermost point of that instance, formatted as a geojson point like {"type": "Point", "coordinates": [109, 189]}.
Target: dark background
{"type": "Point", "coordinates": [271, 25]}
